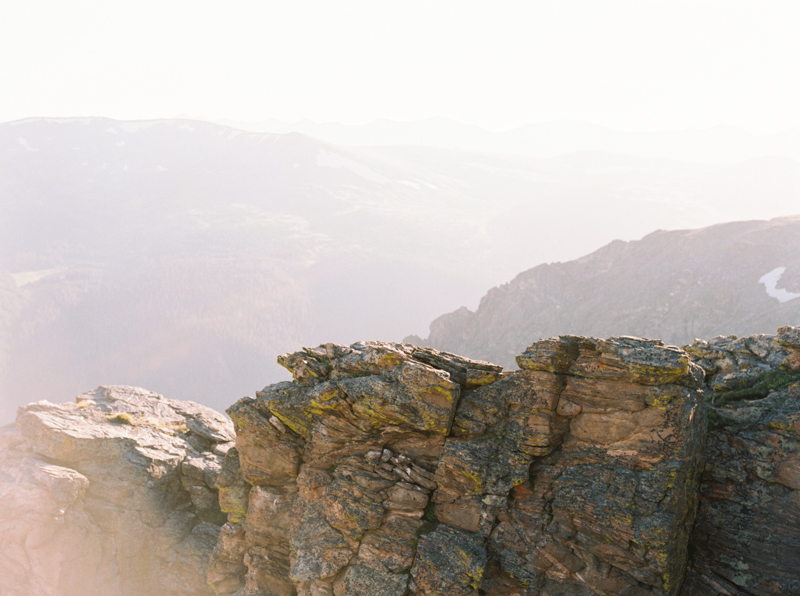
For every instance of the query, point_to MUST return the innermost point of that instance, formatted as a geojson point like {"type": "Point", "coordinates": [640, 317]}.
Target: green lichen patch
{"type": "Point", "coordinates": [758, 388]}
{"type": "Point", "coordinates": [121, 418]}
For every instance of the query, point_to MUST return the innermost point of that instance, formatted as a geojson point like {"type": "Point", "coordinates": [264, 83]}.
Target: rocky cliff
{"type": "Point", "coordinates": [612, 467]}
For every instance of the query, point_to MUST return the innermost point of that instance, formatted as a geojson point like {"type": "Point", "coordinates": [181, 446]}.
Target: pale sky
{"type": "Point", "coordinates": [632, 65]}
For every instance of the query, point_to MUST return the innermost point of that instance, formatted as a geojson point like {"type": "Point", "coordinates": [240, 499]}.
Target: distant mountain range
{"type": "Point", "coordinates": [184, 256]}
{"type": "Point", "coordinates": [738, 278]}
{"type": "Point", "coordinates": [719, 144]}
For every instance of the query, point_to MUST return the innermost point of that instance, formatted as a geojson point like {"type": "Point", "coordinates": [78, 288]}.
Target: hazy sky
{"type": "Point", "coordinates": [635, 65]}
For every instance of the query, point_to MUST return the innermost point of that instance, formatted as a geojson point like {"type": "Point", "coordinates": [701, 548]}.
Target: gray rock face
{"type": "Point", "coordinates": [581, 474]}
{"type": "Point", "coordinates": [112, 495]}
{"type": "Point", "coordinates": [341, 464]}
{"type": "Point", "coordinates": [609, 511]}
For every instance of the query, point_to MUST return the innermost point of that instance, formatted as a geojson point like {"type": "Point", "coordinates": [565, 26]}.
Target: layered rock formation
{"type": "Point", "coordinates": [602, 467]}
{"type": "Point", "coordinates": [112, 495]}
{"type": "Point", "coordinates": [386, 469]}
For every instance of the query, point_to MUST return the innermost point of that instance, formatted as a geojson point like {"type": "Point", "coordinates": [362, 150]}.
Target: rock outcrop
{"type": "Point", "coordinates": [112, 495]}
{"type": "Point", "coordinates": [389, 469]}
{"type": "Point", "coordinates": [617, 467]}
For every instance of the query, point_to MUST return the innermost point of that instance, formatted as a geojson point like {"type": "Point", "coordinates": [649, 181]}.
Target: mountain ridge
{"type": "Point", "coordinates": [620, 286]}
{"type": "Point", "coordinates": [716, 144]}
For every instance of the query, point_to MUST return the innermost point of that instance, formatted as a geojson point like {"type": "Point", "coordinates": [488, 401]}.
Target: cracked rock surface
{"type": "Point", "coordinates": [747, 536]}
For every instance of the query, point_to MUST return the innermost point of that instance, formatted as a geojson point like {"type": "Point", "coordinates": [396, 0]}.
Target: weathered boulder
{"type": "Point", "coordinates": [112, 495]}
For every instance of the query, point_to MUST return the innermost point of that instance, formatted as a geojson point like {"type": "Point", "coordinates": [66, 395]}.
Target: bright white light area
{"type": "Point", "coordinates": [29, 277]}
{"type": "Point", "coordinates": [770, 281]}
{"type": "Point", "coordinates": [626, 64]}
{"type": "Point", "coordinates": [24, 142]}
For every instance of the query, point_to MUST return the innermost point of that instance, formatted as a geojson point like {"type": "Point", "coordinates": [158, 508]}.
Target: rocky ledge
{"type": "Point", "coordinates": [114, 494]}
{"type": "Point", "coordinates": [601, 467]}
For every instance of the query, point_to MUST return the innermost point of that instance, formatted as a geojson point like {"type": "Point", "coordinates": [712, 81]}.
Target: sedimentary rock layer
{"type": "Point", "coordinates": [747, 536]}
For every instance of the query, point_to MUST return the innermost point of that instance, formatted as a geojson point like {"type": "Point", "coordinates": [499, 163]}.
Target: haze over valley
{"type": "Point", "coordinates": [184, 255]}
